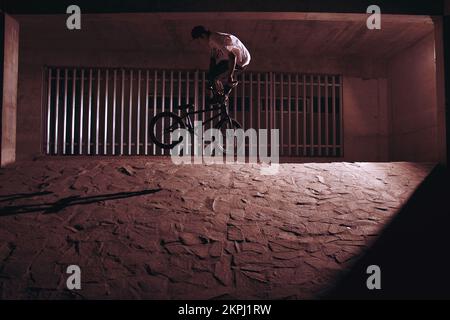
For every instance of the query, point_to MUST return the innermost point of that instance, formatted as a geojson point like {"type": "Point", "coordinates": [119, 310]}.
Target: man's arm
{"type": "Point", "coordinates": [231, 66]}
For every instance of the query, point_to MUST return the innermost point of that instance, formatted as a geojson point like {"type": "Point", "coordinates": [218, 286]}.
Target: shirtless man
{"type": "Point", "coordinates": [228, 54]}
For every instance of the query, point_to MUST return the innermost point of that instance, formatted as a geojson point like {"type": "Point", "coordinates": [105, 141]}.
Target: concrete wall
{"type": "Point", "coordinates": [413, 103]}
{"type": "Point", "coordinates": [8, 87]}
{"type": "Point", "coordinates": [366, 129]}
{"type": "Point", "coordinates": [440, 89]}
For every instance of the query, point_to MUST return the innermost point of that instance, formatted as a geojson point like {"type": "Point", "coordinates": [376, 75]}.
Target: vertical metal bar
{"type": "Point", "coordinates": [333, 96]}
{"type": "Point", "coordinates": [187, 87]}
{"type": "Point", "coordinates": [259, 101]}
{"type": "Point", "coordinates": [155, 101]}
{"type": "Point", "coordinates": [122, 98]}
{"type": "Point", "coordinates": [243, 99]}
{"type": "Point", "coordinates": [304, 114]}
{"type": "Point", "coordinates": [251, 100]}
{"type": "Point", "coordinates": [204, 97]}
{"type": "Point", "coordinates": [130, 114]}
{"type": "Point", "coordinates": [49, 98]}
{"type": "Point", "coordinates": [113, 148]}
{"type": "Point", "coordinates": [179, 91]}
{"type": "Point", "coordinates": [327, 133]}
{"type": "Point", "coordinates": [274, 104]}
{"type": "Point", "coordinates": [72, 137]}
{"type": "Point", "coordinates": [81, 111]}
{"type": "Point", "coordinates": [138, 114]}
{"type": "Point", "coordinates": [90, 112]}
{"type": "Point", "coordinates": [66, 76]}
{"type": "Point", "coordinates": [266, 82]}
{"type": "Point", "coordinates": [171, 99]}
{"type": "Point", "coordinates": [58, 74]}
{"type": "Point", "coordinates": [171, 92]}
{"type": "Point", "coordinates": [163, 104]}
{"type": "Point", "coordinates": [311, 84]}
{"type": "Point", "coordinates": [297, 120]}
{"type": "Point", "coordinates": [196, 116]}
{"type": "Point", "coordinates": [105, 136]}
{"type": "Point", "coordinates": [319, 115]}
{"type": "Point", "coordinates": [97, 123]}
{"type": "Point", "coordinates": [147, 82]}
{"type": "Point", "coordinates": [235, 93]}
{"type": "Point", "coordinates": [341, 117]}
{"type": "Point", "coordinates": [196, 94]}
{"type": "Point", "coordinates": [282, 111]}
{"type": "Point", "coordinates": [187, 90]}
{"type": "Point", "coordinates": [289, 114]}
{"type": "Point", "coordinates": [271, 103]}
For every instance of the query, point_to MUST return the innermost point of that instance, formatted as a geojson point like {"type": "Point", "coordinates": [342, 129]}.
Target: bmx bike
{"type": "Point", "coordinates": [167, 122]}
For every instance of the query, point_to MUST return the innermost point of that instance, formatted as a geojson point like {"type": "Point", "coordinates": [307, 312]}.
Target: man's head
{"type": "Point", "coordinates": [199, 32]}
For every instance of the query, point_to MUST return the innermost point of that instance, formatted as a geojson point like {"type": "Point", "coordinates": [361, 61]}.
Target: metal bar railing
{"type": "Point", "coordinates": [147, 93]}
{"type": "Point", "coordinates": [306, 108]}
{"type": "Point", "coordinates": [113, 129]}
{"type": "Point", "coordinates": [66, 78]}
{"type": "Point", "coordinates": [105, 134]}
{"type": "Point", "coordinates": [327, 137]}
{"type": "Point", "coordinates": [97, 123]}
{"type": "Point", "coordinates": [130, 112]}
{"type": "Point", "coordinates": [80, 144]}
{"type": "Point", "coordinates": [122, 112]}
{"type": "Point", "coordinates": [334, 116]}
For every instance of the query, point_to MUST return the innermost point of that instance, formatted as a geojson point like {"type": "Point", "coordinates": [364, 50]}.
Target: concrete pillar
{"type": "Point", "coordinates": [446, 46]}
{"type": "Point", "coordinates": [9, 63]}
{"type": "Point", "coordinates": [440, 89]}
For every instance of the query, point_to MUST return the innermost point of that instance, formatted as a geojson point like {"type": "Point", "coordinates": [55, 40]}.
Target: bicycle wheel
{"type": "Point", "coordinates": [223, 126]}
{"type": "Point", "coordinates": [161, 127]}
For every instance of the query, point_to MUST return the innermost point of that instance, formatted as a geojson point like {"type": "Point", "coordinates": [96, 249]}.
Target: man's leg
{"type": "Point", "coordinates": [237, 71]}
{"type": "Point", "coordinates": [218, 70]}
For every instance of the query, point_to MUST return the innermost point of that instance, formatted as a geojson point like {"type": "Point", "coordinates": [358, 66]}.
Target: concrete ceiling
{"type": "Point", "coordinates": [292, 34]}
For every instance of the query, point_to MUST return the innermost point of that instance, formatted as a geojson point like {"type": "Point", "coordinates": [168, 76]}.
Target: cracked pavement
{"type": "Point", "coordinates": [144, 228]}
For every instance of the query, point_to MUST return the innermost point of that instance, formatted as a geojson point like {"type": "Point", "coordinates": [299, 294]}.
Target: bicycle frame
{"type": "Point", "coordinates": [223, 115]}
{"type": "Point", "coordinates": [222, 106]}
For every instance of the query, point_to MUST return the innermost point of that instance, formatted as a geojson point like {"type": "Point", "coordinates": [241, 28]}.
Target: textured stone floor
{"type": "Point", "coordinates": [145, 228]}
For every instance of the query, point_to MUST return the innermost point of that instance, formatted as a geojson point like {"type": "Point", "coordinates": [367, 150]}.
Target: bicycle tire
{"type": "Point", "coordinates": [153, 123]}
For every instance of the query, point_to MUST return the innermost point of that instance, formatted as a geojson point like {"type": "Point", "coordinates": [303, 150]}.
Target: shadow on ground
{"type": "Point", "coordinates": [17, 196]}
{"type": "Point", "coordinates": [413, 252]}
{"type": "Point", "coordinates": [66, 202]}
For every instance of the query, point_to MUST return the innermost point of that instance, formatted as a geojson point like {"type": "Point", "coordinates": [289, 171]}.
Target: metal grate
{"type": "Point", "coordinates": [106, 111]}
